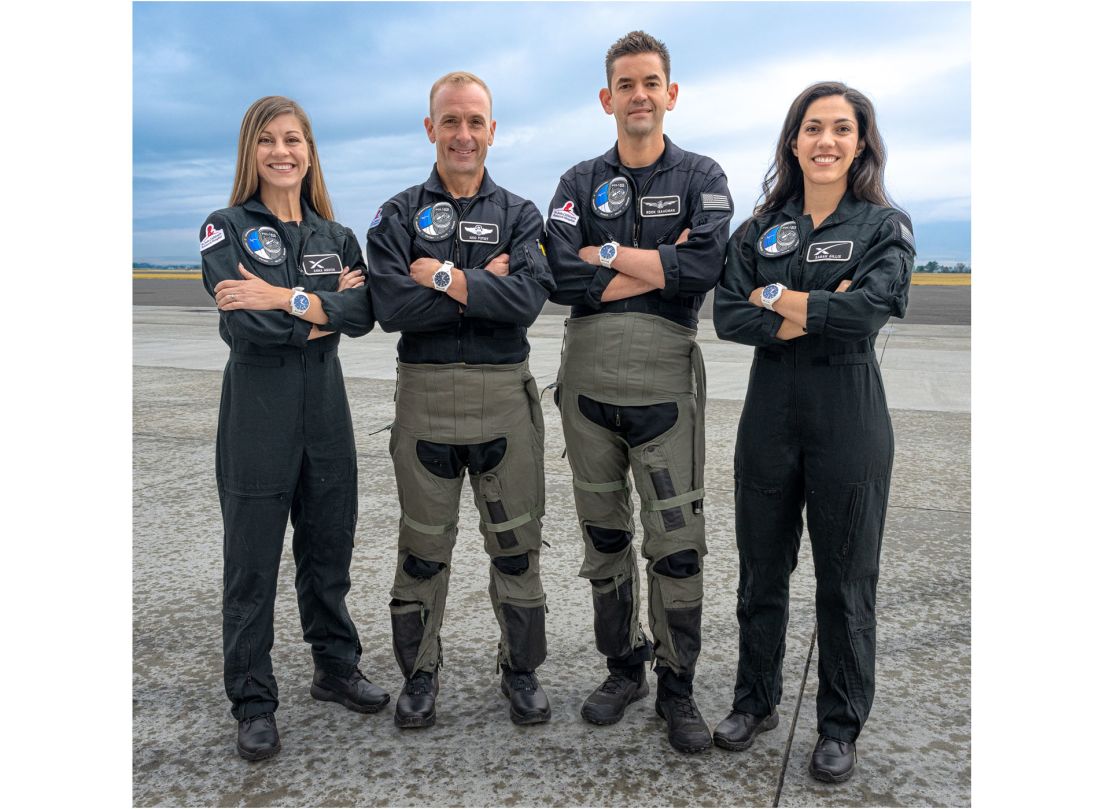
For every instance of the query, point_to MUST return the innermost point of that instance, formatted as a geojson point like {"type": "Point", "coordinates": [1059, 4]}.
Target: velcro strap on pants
{"type": "Point", "coordinates": [677, 500]}
{"type": "Point", "coordinates": [611, 486]}
{"type": "Point", "coordinates": [509, 525]}
{"type": "Point", "coordinates": [698, 362]}
{"type": "Point", "coordinates": [424, 528]}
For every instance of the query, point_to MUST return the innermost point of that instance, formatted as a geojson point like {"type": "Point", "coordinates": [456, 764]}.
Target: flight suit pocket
{"type": "Point", "coordinates": [863, 518]}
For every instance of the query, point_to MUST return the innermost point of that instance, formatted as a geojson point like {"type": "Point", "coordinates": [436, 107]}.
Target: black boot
{"type": "Point", "coordinates": [738, 730]}
{"type": "Point", "coordinates": [832, 760]}
{"type": "Point", "coordinates": [528, 703]}
{"type": "Point", "coordinates": [354, 691]}
{"type": "Point", "coordinates": [686, 730]}
{"type": "Point", "coordinates": [258, 737]}
{"type": "Point", "coordinates": [416, 707]}
{"type": "Point", "coordinates": [606, 705]}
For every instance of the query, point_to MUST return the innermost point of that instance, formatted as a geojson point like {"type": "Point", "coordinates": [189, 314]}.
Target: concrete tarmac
{"type": "Point", "coordinates": [914, 751]}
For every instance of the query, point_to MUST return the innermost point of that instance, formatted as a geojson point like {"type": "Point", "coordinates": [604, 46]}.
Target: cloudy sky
{"type": "Point", "coordinates": [362, 72]}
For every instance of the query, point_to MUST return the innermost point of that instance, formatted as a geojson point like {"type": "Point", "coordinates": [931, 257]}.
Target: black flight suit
{"type": "Point", "coordinates": [625, 414]}
{"type": "Point", "coordinates": [815, 432]}
{"type": "Point", "coordinates": [465, 402]}
{"type": "Point", "coordinates": [285, 444]}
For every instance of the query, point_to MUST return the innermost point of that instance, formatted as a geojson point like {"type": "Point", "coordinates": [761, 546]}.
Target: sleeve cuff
{"type": "Point", "coordinates": [817, 312]}
{"type": "Point", "coordinates": [299, 335]}
{"type": "Point", "coordinates": [772, 322]}
{"type": "Point", "coordinates": [668, 257]}
{"type": "Point", "coordinates": [476, 281]}
{"type": "Point", "coordinates": [597, 286]}
{"type": "Point", "coordinates": [332, 309]}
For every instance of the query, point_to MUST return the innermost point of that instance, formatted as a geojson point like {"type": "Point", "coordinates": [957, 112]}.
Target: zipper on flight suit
{"type": "Point", "coordinates": [638, 220]}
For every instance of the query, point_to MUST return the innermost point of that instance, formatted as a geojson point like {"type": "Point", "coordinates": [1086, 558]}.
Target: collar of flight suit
{"type": "Point", "coordinates": [434, 185]}
{"type": "Point", "coordinates": [671, 157]}
{"type": "Point", "coordinates": [846, 209]}
{"type": "Point", "coordinates": [308, 215]}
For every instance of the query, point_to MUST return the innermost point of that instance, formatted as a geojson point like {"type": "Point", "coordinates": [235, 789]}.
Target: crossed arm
{"type": "Point", "coordinates": [638, 270]}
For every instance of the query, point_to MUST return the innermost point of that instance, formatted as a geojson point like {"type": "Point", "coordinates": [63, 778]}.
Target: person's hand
{"type": "Point", "coordinates": [499, 265]}
{"type": "Point", "coordinates": [250, 293]}
{"type": "Point", "coordinates": [351, 280]}
{"type": "Point", "coordinates": [591, 255]}
{"type": "Point", "coordinates": [843, 285]}
{"type": "Point", "coordinates": [756, 298]}
{"type": "Point", "coordinates": [316, 333]}
{"type": "Point", "coordinates": [683, 236]}
{"type": "Point", "coordinates": [422, 271]}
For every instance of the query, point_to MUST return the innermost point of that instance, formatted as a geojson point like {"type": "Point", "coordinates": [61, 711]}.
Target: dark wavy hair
{"type": "Point", "coordinates": [632, 43]}
{"type": "Point", "coordinates": [783, 181]}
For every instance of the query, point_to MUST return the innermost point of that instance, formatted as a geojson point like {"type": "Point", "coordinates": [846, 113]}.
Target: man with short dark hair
{"type": "Point", "coordinates": [636, 238]}
{"type": "Point", "coordinates": [457, 266]}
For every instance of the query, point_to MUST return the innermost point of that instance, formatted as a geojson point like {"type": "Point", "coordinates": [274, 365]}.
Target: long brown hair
{"type": "Point", "coordinates": [257, 118]}
{"type": "Point", "coordinates": [783, 181]}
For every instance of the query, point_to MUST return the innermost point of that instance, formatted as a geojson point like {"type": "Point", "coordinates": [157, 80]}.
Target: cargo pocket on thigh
{"type": "Point", "coordinates": [499, 523]}
{"type": "Point", "coordinates": [861, 541]}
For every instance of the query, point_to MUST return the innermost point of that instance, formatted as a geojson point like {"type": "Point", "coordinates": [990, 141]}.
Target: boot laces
{"type": "Point", "coordinates": [614, 684]}
{"type": "Point", "coordinates": [419, 683]}
{"type": "Point", "coordinates": [684, 706]}
{"type": "Point", "coordinates": [523, 681]}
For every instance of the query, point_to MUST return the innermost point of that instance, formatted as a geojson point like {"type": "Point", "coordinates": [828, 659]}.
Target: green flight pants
{"type": "Point", "coordinates": [631, 397]}
{"type": "Point", "coordinates": [485, 420]}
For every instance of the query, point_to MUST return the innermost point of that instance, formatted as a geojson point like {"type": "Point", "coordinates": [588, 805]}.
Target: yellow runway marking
{"type": "Point", "coordinates": [941, 279]}
{"type": "Point", "coordinates": [173, 276]}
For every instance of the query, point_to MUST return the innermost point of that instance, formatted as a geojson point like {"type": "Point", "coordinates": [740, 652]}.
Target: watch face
{"type": "Point", "coordinates": [770, 291]}
{"type": "Point", "coordinates": [300, 303]}
{"type": "Point", "coordinates": [441, 278]}
{"type": "Point", "coordinates": [608, 252]}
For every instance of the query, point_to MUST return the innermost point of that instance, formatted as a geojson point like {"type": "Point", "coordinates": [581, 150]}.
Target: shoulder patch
{"type": "Point", "coordinates": [715, 202]}
{"type": "Point", "coordinates": [565, 214]}
{"type": "Point", "coordinates": [211, 236]}
{"type": "Point", "coordinates": [377, 220]}
{"type": "Point", "coordinates": [902, 231]}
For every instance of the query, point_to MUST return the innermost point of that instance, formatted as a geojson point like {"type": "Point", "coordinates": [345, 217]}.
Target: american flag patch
{"type": "Point", "coordinates": [907, 236]}
{"type": "Point", "coordinates": [715, 202]}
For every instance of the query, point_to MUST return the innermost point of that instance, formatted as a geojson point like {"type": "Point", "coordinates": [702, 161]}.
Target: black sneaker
{"type": "Point", "coordinates": [416, 707]}
{"type": "Point", "coordinates": [528, 703]}
{"type": "Point", "coordinates": [686, 730]}
{"type": "Point", "coordinates": [605, 706]}
{"type": "Point", "coordinates": [832, 760]}
{"type": "Point", "coordinates": [258, 737]}
{"type": "Point", "coordinates": [354, 692]}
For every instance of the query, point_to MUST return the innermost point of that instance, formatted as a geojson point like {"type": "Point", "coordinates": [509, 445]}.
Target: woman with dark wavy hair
{"type": "Point", "coordinates": [809, 280]}
{"type": "Point", "coordinates": [287, 281]}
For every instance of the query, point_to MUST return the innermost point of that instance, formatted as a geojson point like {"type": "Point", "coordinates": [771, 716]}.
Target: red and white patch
{"type": "Point", "coordinates": [212, 237]}
{"type": "Point", "coordinates": [566, 213]}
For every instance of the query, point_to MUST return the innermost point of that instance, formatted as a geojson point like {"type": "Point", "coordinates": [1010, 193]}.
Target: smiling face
{"type": "Point", "coordinates": [281, 154]}
{"type": "Point", "coordinates": [827, 142]}
{"type": "Point", "coordinates": [638, 95]}
{"type": "Point", "coordinates": [461, 126]}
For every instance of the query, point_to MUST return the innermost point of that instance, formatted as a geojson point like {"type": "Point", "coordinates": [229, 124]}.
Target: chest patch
{"type": "Point", "coordinates": [435, 222]}
{"type": "Point", "coordinates": [829, 251]}
{"type": "Point", "coordinates": [322, 264]}
{"type": "Point", "coordinates": [612, 197]}
{"type": "Point", "coordinates": [483, 232]}
{"type": "Point", "coordinates": [779, 240]}
{"type": "Point", "coordinates": [660, 206]}
{"type": "Point", "coordinates": [265, 245]}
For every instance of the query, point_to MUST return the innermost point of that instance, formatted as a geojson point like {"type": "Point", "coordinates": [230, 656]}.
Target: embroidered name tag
{"type": "Point", "coordinates": [322, 264]}
{"type": "Point", "coordinates": [660, 206]}
{"type": "Point", "coordinates": [829, 251]}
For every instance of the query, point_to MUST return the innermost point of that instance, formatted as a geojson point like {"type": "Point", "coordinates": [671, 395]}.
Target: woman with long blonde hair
{"type": "Point", "coordinates": [287, 281]}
